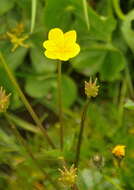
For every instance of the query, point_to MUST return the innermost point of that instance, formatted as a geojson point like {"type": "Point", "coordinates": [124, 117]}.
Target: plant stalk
{"type": "Point", "coordinates": [25, 101]}
{"type": "Point", "coordinates": [129, 81]}
{"type": "Point", "coordinates": [74, 187]}
{"type": "Point", "coordinates": [82, 125]}
{"type": "Point", "coordinates": [60, 107]}
{"type": "Point", "coordinates": [116, 5]}
{"type": "Point", "coordinates": [85, 7]}
{"type": "Point", "coordinates": [25, 145]}
{"type": "Point", "coordinates": [121, 103]}
{"type": "Point", "coordinates": [33, 14]}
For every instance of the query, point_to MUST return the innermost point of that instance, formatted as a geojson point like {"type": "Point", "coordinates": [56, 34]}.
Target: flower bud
{"type": "Point", "coordinates": [98, 161]}
{"type": "Point", "coordinates": [68, 176]}
{"type": "Point", "coordinates": [4, 100]}
{"type": "Point", "coordinates": [119, 151]}
{"type": "Point", "coordinates": [91, 89]}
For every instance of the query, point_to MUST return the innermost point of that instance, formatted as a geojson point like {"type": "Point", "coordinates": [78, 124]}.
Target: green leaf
{"type": "Point", "coordinates": [89, 62]}
{"type": "Point", "coordinates": [113, 64]}
{"type": "Point", "coordinates": [105, 59]}
{"type": "Point", "coordinates": [127, 30]}
{"type": "Point", "coordinates": [58, 13]}
{"type": "Point", "coordinates": [105, 7]}
{"type": "Point", "coordinates": [40, 63]}
{"type": "Point", "coordinates": [101, 28]}
{"type": "Point", "coordinates": [129, 104]}
{"type": "Point", "coordinates": [16, 58]}
{"type": "Point", "coordinates": [5, 6]}
{"type": "Point", "coordinates": [23, 124]}
{"type": "Point", "coordinates": [39, 87]}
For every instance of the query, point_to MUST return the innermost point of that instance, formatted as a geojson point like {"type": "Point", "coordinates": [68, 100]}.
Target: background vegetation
{"type": "Point", "coordinates": [105, 32]}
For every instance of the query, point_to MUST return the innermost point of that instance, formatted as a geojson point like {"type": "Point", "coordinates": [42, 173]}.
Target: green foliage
{"type": "Point", "coordinates": [40, 63]}
{"type": "Point", "coordinates": [6, 6]}
{"type": "Point", "coordinates": [47, 88]}
{"type": "Point", "coordinates": [127, 29]}
{"type": "Point", "coordinates": [107, 51]}
{"type": "Point", "coordinates": [129, 105]}
{"type": "Point", "coordinates": [106, 59]}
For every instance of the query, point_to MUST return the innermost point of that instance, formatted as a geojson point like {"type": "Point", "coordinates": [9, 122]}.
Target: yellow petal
{"type": "Point", "coordinates": [51, 54]}
{"type": "Point", "coordinates": [70, 37]}
{"type": "Point", "coordinates": [49, 44]}
{"type": "Point", "coordinates": [64, 57]}
{"type": "Point", "coordinates": [74, 50]}
{"type": "Point", "coordinates": [56, 35]}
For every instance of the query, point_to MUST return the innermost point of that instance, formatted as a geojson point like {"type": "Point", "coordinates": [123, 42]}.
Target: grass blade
{"type": "Point", "coordinates": [33, 14]}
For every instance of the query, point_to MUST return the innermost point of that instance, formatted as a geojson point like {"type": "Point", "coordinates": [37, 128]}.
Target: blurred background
{"type": "Point", "coordinates": [105, 32]}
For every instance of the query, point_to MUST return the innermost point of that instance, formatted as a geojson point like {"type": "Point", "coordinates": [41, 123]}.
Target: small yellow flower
{"type": "Point", "coordinates": [91, 89]}
{"type": "Point", "coordinates": [17, 41]}
{"type": "Point", "coordinates": [61, 45]}
{"type": "Point", "coordinates": [119, 151]}
{"type": "Point", "coordinates": [68, 177]}
{"type": "Point", "coordinates": [4, 100]}
{"type": "Point", "coordinates": [18, 30]}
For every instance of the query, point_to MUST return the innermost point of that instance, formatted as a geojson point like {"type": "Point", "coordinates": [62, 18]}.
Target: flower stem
{"type": "Point", "coordinates": [121, 103]}
{"type": "Point", "coordinates": [82, 125]}
{"type": "Point", "coordinates": [33, 14]}
{"type": "Point", "coordinates": [28, 150]}
{"type": "Point", "coordinates": [74, 187]}
{"type": "Point", "coordinates": [60, 107]}
{"type": "Point", "coordinates": [85, 7]}
{"type": "Point", "coordinates": [116, 5]}
{"type": "Point", "coordinates": [25, 101]}
{"type": "Point", "coordinates": [129, 81]}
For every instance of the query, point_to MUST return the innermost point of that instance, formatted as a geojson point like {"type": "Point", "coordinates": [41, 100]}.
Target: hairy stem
{"type": "Point", "coordinates": [82, 125]}
{"type": "Point", "coordinates": [60, 107]}
{"type": "Point", "coordinates": [24, 100]}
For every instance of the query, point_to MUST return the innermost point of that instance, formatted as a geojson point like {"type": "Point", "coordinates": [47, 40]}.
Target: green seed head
{"type": "Point", "coordinates": [91, 89]}
{"type": "Point", "coordinates": [4, 100]}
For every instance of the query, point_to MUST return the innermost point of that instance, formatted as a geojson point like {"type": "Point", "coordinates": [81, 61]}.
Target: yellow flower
{"type": "Point", "coordinates": [61, 45]}
{"type": "Point", "coordinates": [17, 41]}
{"type": "Point", "coordinates": [119, 151]}
{"type": "Point", "coordinates": [4, 100]}
{"type": "Point", "coordinates": [18, 30]}
{"type": "Point", "coordinates": [91, 89]}
{"type": "Point", "coordinates": [68, 177]}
